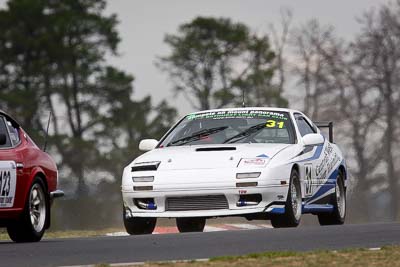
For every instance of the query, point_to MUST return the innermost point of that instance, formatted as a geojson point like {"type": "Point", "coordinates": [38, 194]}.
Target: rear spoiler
{"type": "Point", "coordinates": [326, 124]}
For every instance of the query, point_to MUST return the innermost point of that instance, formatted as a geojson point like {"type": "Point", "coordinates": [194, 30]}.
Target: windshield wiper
{"type": "Point", "coordinates": [197, 135]}
{"type": "Point", "coordinates": [245, 133]}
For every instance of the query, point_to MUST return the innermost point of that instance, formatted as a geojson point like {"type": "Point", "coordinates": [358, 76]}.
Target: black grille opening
{"type": "Point", "coordinates": [212, 202]}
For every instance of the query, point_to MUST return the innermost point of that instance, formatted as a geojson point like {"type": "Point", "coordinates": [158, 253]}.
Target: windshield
{"type": "Point", "coordinates": [232, 126]}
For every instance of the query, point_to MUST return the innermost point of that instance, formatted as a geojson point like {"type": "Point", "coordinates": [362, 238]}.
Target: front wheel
{"type": "Point", "coordinates": [139, 225]}
{"type": "Point", "coordinates": [293, 206]}
{"type": "Point", "coordinates": [32, 223]}
{"type": "Point", "coordinates": [190, 224]}
{"type": "Point", "coordinates": [339, 205]}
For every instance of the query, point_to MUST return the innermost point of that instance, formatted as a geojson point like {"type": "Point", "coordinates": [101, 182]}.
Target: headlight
{"type": "Point", "coordinates": [246, 175]}
{"type": "Point", "coordinates": [253, 162]}
{"type": "Point", "coordinates": [146, 166]}
{"type": "Point", "coordinates": [143, 178]}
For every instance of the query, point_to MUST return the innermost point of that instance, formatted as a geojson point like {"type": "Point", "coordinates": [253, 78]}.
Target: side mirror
{"type": "Point", "coordinates": [148, 144]}
{"type": "Point", "coordinates": [313, 139]}
{"type": "Point", "coordinates": [3, 139]}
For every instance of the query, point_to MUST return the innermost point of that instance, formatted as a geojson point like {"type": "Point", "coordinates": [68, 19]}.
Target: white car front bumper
{"type": "Point", "coordinates": [195, 202]}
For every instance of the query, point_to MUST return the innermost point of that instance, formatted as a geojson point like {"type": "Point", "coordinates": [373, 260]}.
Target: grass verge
{"type": "Point", "coordinates": [69, 234]}
{"type": "Point", "coordinates": [387, 256]}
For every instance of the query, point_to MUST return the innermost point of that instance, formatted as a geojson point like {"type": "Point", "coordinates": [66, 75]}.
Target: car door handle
{"type": "Point", "coordinates": [20, 165]}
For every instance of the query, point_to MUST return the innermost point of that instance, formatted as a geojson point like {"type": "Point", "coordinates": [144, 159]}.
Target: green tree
{"type": "Point", "coordinates": [129, 121]}
{"type": "Point", "coordinates": [212, 60]}
{"type": "Point", "coordinates": [21, 62]}
{"type": "Point", "coordinates": [257, 82]}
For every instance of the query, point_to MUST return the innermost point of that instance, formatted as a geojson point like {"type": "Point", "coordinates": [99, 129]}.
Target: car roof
{"type": "Point", "coordinates": [250, 108]}
{"type": "Point", "coordinates": [11, 119]}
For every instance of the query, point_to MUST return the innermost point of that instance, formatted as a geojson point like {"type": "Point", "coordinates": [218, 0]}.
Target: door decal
{"type": "Point", "coordinates": [308, 179]}
{"type": "Point", "coordinates": [8, 182]}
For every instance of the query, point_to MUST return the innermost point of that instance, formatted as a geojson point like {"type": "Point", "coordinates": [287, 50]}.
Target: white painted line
{"type": "Point", "coordinates": [90, 265]}
{"type": "Point", "coordinates": [139, 263]}
{"type": "Point", "coordinates": [118, 234]}
{"type": "Point", "coordinates": [126, 264]}
{"type": "Point", "coordinates": [265, 226]}
{"type": "Point", "coordinates": [157, 262]}
{"type": "Point", "coordinates": [213, 229]}
{"type": "Point", "coordinates": [248, 226]}
{"type": "Point", "coordinates": [374, 249]}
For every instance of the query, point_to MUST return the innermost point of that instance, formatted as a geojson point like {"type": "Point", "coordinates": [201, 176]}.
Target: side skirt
{"type": "Point", "coordinates": [317, 208]}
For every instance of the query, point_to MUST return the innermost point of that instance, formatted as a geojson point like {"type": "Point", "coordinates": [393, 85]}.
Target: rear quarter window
{"type": "Point", "coordinates": [303, 125]}
{"type": "Point", "coordinates": [14, 133]}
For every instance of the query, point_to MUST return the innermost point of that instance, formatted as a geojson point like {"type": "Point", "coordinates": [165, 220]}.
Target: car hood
{"type": "Point", "coordinates": [208, 157]}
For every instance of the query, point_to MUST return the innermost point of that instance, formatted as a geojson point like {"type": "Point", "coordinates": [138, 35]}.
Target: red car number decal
{"type": "Point", "coordinates": [8, 183]}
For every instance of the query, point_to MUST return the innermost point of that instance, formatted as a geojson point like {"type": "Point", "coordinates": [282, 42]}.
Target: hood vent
{"type": "Point", "coordinates": [215, 148]}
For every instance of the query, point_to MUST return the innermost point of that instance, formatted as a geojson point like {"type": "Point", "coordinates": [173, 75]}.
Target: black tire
{"type": "Point", "coordinates": [31, 228]}
{"type": "Point", "coordinates": [290, 218]}
{"type": "Point", "coordinates": [185, 225]}
{"type": "Point", "coordinates": [139, 225]}
{"type": "Point", "coordinates": [338, 216]}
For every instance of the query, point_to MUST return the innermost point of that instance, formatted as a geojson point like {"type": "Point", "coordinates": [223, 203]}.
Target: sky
{"type": "Point", "coordinates": [143, 25]}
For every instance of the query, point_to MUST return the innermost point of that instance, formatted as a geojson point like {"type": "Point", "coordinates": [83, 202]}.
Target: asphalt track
{"type": "Point", "coordinates": [81, 251]}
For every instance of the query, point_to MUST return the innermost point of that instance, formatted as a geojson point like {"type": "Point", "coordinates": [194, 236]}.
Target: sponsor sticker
{"type": "Point", "coordinates": [8, 182]}
{"type": "Point", "coordinates": [247, 114]}
{"type": "Point", "coordinates": [327, 164]}
{"type": "Point", "coordinates": [256, 161]}
{"type": "Point", "coordinates": [253, 162]}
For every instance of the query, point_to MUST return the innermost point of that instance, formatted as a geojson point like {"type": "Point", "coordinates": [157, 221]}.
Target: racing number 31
{"type": "Point", "coordinates": [273, 123]}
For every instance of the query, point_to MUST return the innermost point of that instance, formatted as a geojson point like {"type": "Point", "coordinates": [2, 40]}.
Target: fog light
{"type": "Point", "coordinates": [145, 204]}
{"type": "Point", "coordinates": [247, 175]}
{"type": "Point", "coordinates": [249, 200]}
{"type": "Point", "coordinates": [143, 178]}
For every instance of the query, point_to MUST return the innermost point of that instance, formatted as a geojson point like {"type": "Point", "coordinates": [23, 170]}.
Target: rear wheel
{"type": "Point", "coordinates": [190, 224]}
{"type": "Point", "coordinates": [293, 206]}
{"type": "Point", "coordinates": [32, 223]}
{"type": "Point", "coordinates": [339, 203]}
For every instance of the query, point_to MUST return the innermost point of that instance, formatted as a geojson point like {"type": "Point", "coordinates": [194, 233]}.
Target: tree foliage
{"type": "Point", "coordinates": [213, 60]}
{"type": "Point", "coordinates": [378, 54]}
{"type": "Point", "coordinates": [356, 84]}
{"type": "Point", "coordinates": [52, 58]}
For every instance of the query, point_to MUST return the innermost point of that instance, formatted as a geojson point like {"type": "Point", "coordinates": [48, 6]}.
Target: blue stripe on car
{"type": "Point", "coordinates": [278, 210]}
{"type": "Point", "coordinates": [330, 182]}
{"type": "Point", "coordinates": [316, 155]}
{"type": "Point", "coordinates": [326, 186]}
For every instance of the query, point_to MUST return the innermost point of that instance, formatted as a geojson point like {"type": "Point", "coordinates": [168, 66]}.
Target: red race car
{"type": "Point", "coordinates": [28, 183]}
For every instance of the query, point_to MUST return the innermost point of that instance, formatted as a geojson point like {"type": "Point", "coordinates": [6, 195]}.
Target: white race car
{"type": "Point", "coordinates": [258, 163]}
